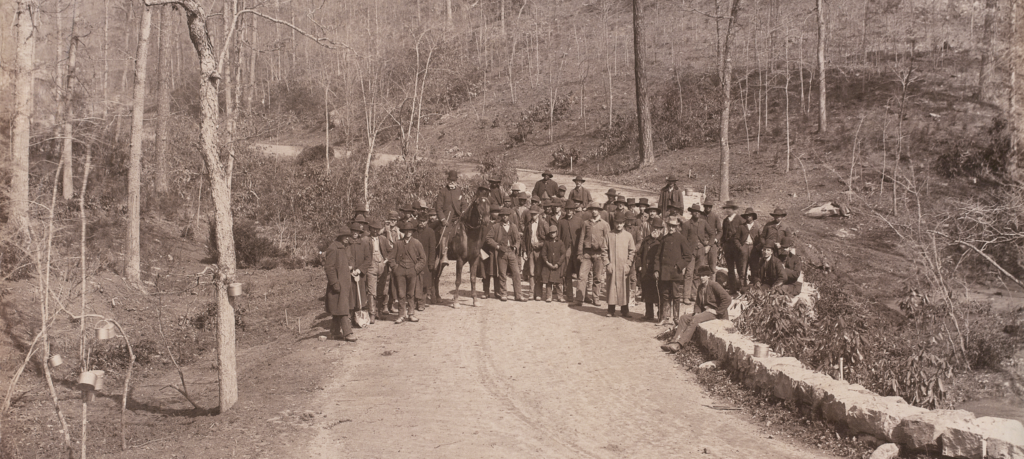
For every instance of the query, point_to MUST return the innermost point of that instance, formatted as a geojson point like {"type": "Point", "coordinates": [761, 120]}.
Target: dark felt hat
{"type": "Point", "coordinates": [408, 226]}
{"type": "Point", "coordinates": [778, 212]}
{"type": "Point", "coordinates": [375, 224]}
{"type": "Point", "coordinates": [536, 210]}
{"type": "Point", "coordinates": [571, 205]}
{"type": "Point", "coordinates": [547, 174]}
{"type": "Point", "coordinates": [535, 198]}
{"type": "Point", "coordinates": [652, 210]}
{"type": "Point", "coordinates": [561, 187]}
{"type": "Point", "coordinates": [431, 212]}
{"type": "Point", "coordinates": [394, 215]}
{"type": "Point", "coordinates": [594, 205]}
{"type": "Point", "coordinates": [359, 218]}
{"type": "Point", "coordinates": [730, 205]}
{"type": "Point", "coordinates": [344, 231]}
{"type": "Point", "coordinates": [482, 188]}
{"type": "Point", "coordinates": [495, 208]}
{"type": "Point", "coordinates": [579, 178]}
{"type": "Point", "coordinates": [657, 223]}
{"type": "Point", "coordinates": [749, 211]}
{"type": "Point", "coordinates": [620, 198]}
{"type": "Point", "coordinates": [505, 211]}
{"type": "Point", "coordinates": [671, 178]}
{"type": "Point", "coordinates": [695, 208]}
{"type": "Point", "coordinates": [787, 242]}
{"type": "Point", "coordinates": [643, 202]}
{"type": "Point", "coordinates": [552, 230]}
{"type": "Point", "coordinates": [631, 201]}
{"type": "Point", "coordinates": [408, 208]}
{"type": "Point", "coordinates": [709, 202]}
{"type": "Point", "coordinates": [453, 176]}
{"type": "Point", "coordinates": [611, 192]}
{"type": "Point", "coordinates": [354, 227]}
{"type": "Point", "coordinates": [704, 271]}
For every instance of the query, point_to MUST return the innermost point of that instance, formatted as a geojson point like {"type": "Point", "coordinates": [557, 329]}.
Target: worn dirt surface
{"type": "Point", "coordinates": [515, 379]}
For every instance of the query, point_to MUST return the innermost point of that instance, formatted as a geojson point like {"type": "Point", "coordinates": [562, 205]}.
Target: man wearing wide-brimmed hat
{"type": "Point", "coordinates": [495, 193]}
{"type": "Point", "coordinates": [579, 193]}
{"type": "Point", "coordinates": [621, 250]}
{"type": "Point", "coordinates": [593, 254]}
{"type": "Point", "coordinates": [695, 230]}
{"type": "Point", "coordinates": [359, 250]}
{"type": "Point", "coordinates": [408, 260]}
{"type": "Point", "coordinates": [670, 195]}
{"type": "Point", "coordinates": [376, 273]}
{"type": "Point", "coordinates": [428, 239]}
{"type": "Point", "coordinates": [712, 303]}
{"type": "Point", "coordinates": [775, 230]}
{"type": "Point", "coordinates": [569, 232]}
{"type": "Point", "coordinates": [341, 296]}
{"type": "Point", "coordinates": [747, 238]}
{"type": "Point", "coordinates": [545, 187]}
{"type": "Point", "coordinates": [503, 238]}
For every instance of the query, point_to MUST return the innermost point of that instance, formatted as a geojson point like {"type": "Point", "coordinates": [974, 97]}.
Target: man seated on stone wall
{"type": "Point", "coordinates": [712, 300]}
{"type": "Point", "coordinates": [773, 275]}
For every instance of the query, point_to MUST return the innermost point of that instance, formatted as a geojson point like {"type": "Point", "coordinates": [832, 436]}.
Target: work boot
{"type": "Point", "coordinates": [412, 318]}
{"type": "Point", "coordinates": [547, 293]}
{"type": "Point", "coordinates": [625, 312]}
{"type": "Point", "coordinates": [671, 348]}
{"type": "Point", "coordinates": [611, 310]}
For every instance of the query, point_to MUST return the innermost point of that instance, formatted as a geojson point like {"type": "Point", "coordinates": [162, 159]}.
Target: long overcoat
{"type": "Point", "coordinates": [341, 294]}
{"type": "Point", "coordinates": [554, 252]}
{"type": "Point", "coordinates": [675, 253]}
{"type": "Point", "coordinates": [621, 250]}
{"type": "Point", "coordinates": [647, 256]}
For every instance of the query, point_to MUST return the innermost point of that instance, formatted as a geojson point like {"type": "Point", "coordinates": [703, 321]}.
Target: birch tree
{"type": "Point", "coordinates": [133, 262]}
{"type": "Point", "coordinates": [725, 65]}
{"type": "Point", "coordinates": [822, 106]}
{"type": "Point", "coordinates": [67, 112]}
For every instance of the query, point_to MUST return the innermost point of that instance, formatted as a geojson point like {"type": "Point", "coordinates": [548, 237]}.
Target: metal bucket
{"type": "Point", "coordinates": [56, 360]}
{"type": "Point", "coordinates": [98, 374]}
{"type": "Point", "coordinates": [235, 289]}
{"type": "Point", "coordinates": [760, 350]}
{"type": "Point", "coordinates": [102, 333]}
{"type": "Point", "coordinates": [87, 380]}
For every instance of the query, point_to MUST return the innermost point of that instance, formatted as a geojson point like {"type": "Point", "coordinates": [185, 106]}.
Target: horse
{"type": "Point", "coordinates": [464, 247]}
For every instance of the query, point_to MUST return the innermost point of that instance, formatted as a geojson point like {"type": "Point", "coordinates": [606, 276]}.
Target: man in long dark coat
{"type": "Point", "coordinates": [712, 303]}
{"type": "Point", "coordinates": [670, 267]}
{"type": "Point", "coordinates": [428, 239]}
{"type": "Point", "coordinates": [730, 248]}
{"type": "Point", "coordinates": [449, 205]}
{"type": "Point", "coordinates": [670, 195]}
{"type": "Point", "coordinates": [503, 238]}
{"type": "Point", "coordinates": [361, 254]}
{"type": "Point", "coordinates": [645, 262]}
{"type": "Point", "coordinates": [569, 232]}
{"type": "Point", "coordinates": [489, 266]}
{"type": "Point", "coordinates": [545, 186]}
{"type": "Point", "coordinates": [341, 296]}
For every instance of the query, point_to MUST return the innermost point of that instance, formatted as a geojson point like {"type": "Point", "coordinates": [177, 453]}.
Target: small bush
{"type": "Point", "coordinates": [250, 248]}
{"type": "Point", "coordinates": [565, 159]}
{"type": "Point", "coordinates": [982, 155]}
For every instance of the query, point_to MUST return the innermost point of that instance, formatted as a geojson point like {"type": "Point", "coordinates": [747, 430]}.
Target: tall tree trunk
{"type": "Point", "coordinates": [67, 174]}
{"type": "Point", "coordinates": [133, 264]}
{"type": "Point", "coordinates": [643, 109]}
{"type": "Point", "coordinates": [106, 65]}
{"type": "Point", "coordinates": [822, 106]}
{"type": "Point", "coordinates": [25, 48]}
{"type": "Point", "coordinates": [726, 64]}
{"type": "Point", "coordinates": [163, 99]}
{"type": "Point", "coordinates": [1016, 92]}
{"type": "Point", "coordinates": [985, 93]}
{"type": "Point", "coordinates": [250, 88]}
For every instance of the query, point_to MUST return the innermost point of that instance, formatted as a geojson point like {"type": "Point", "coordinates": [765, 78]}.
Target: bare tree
{"type": "Point", "coordinates": [210, 71]}
{"type": "Point", "coordinates": [163, 99]}
{"type": "Point", "coordinates": [67, 113]}
{"type": "Point", "coordinates": [987, 62]}
{"type": "Point", "coordinates": [25, 46]}
{"type": "Point", "coordinates": [725, 64]}
{"type": "Point", "coordinates": [643, 109]}
{"type": "Point", "coordinates": [822, 107]}
{"type": "Point", "coordinates": [133, 263]}
{"type": "Point", "coordinates": [1016, 92]}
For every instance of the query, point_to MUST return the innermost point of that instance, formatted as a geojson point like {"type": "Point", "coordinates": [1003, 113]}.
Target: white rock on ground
{"type": "Point", "coordinates": [886, 451]}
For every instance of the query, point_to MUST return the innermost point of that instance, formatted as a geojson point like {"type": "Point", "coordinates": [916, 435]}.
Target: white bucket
{"type": "Point", "coordinates": [98, 374]}
{"type": "Point", "coordinates": [235, 289]}
{"type": "Point", "coordinates": [56, 360]}
{"type": "Point", "coordinates": [102, 333]}
{"type": "Point", "coordinates": [760, 350]}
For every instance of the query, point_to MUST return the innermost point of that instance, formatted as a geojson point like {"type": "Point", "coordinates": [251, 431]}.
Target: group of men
{"type": "Point", "coordinates": [567, 247]}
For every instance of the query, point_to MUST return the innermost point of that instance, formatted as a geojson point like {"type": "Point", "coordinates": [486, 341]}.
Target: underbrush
{"type": "Point", "coordinates": [914, 355]}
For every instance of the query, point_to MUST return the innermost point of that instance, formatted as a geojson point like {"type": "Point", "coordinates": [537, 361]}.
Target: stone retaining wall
{"type": "Point", "coordinates": [856, 410]}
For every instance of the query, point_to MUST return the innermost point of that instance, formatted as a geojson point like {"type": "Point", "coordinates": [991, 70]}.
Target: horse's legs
{"type": "Point", "coordinates": [458, 281]}
{"type": "Point", "coordinates": [472, 279]}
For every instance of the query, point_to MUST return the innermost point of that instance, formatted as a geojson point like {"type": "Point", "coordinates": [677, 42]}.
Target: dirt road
{"type": "Point", "coordinates": [524, 379]}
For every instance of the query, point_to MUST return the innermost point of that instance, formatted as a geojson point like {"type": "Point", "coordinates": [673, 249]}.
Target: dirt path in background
{"type": "Point", "coordinates": [510, 379]}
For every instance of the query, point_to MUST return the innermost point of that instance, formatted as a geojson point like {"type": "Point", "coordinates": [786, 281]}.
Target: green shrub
{"type": "Point", "coordinates": [982, 155]}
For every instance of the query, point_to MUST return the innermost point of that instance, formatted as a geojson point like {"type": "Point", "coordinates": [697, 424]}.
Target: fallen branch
{"type": "Point", "coordinates": [992, 262]}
